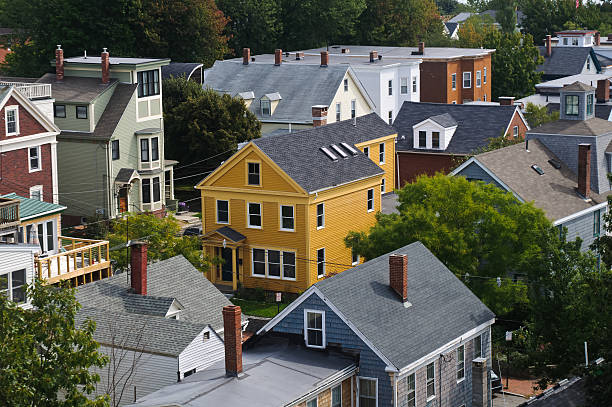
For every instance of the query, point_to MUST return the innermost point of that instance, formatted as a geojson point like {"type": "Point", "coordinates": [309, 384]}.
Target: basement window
{"type": "Point", "coordinates": [537, 169]}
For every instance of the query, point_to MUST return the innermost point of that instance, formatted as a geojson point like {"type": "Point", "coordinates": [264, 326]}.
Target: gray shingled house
{"type": "Point", "coordinates": [398, 330]}
{"type": "Point", "coordinates": [572, 55]}
{"type": "Point", "coordinates": [157, 325]}
{"type": "Point", "coordinates": [562, 167]}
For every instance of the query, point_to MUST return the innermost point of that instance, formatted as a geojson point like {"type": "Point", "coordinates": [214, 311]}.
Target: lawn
{"type": "Point", "coordinates": [258, 309]}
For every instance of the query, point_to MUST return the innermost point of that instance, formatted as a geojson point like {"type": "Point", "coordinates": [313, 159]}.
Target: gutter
{"type": "Point", "coordinates": [579, 214]}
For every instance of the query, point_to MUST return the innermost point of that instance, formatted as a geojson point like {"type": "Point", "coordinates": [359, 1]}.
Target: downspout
{"type": "Point", "coordinates": [109, 184]}
{"type": "Point", "coordinates": [440, 377]}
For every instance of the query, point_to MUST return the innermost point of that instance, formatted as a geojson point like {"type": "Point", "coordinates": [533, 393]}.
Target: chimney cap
{"type": "Point", "coordinates": [59, 46]}
{"type": "Point", "coordinates": [104, 49]}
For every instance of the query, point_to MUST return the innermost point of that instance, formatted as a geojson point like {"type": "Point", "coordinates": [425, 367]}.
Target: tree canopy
{"type": "Point", "coordinates": [44, 355]}
{"type": "Point", "coordinates": [538, 115]}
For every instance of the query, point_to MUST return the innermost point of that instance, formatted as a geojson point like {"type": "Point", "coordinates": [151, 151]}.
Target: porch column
{"type": "Point", "coordinates": [172, 182]}
{"type": "Point", "coordinates": [234, 271]}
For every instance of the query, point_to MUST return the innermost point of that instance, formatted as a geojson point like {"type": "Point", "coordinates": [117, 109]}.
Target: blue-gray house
{"type": "Point", "coordinates": [562, 167]}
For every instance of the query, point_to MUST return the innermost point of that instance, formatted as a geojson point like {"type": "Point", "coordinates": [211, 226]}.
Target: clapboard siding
{"type": "Point", "coordinates": [474, 172]}
{"type": "Point", "coordinates": [201, 353]}
{"type": "Point", "coordinates": [152, 372]}
{"type": "Point", "coordinates": [583, 227]}
{"type": "Point", "coordinates": [13, 259]}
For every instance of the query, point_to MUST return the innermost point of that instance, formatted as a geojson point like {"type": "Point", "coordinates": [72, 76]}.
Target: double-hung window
{"type": "Point", "coordinates": [144, 150]}
{"type": "Point", "coordinates": [370, 200]}
{"type": "Point", "coordinates": [287, 218]}
{"type": "Point", "coordinates": [34, 159]}
{"type": "Point", "coordinates": [259, 262]}
{"type": "Point", "coordinates": [390, 87]}
{"type": "Point", "coordinates": [366, 151]}
{"type": "Point", "coordinates": [115, 149]}
{"type": "Point", "coordinates": [404, 86]}
{"type": "Point", "coordinates": [353, 109]}
{"type": "Point", "coordinates": [336, 396]}
{"type": "Point", "coordinates": [346, 85]}
{"type": "Point", "coordinates": [273, 263]}
{"type": "Point", "coordinates": [381, 153]}
{"type": "Point", "coordinates": [253, 174]}
{"type": "Point", "coordinates": [321, 262]}
{"type": "Point", "coordinates": [414, 84]}
{"type": "Point", "coordinates": [81, 112]}
{"type": "Point", "coordinates": [148, 83]}
{"type": "Point", "coordinates": [484, 74]}
{"type": "Point", "coordinates": [390, 117]}
{"type": "Point", "coordinates": [596, 223]}
{"type": "Point", "coordinates": [422, 139]}
{"type": "Point", "coordinates": [151, 190]}
{"type": "Point", "coordinates": [265, 107]}
{"type": "Point", "coordinates": [408, 393]}
{"type": "Point", "coordinates": [13, 285]}
{"type": "Point", "coordinates": [59, 110]}
{"type": "Point", "coordinates": [11, 118]}
{"type": "Point", "coordinates": [431, 381]}
{"type": "Point", "coordinates": [435, 139]}
{"type": "Point", "coordinates": [312, 403]}
{"type": "Point", "coordinates": [454, 81]}
{"type": "Point", "coordinates": [467, 80]}
{"type": "Point", "coordinates": [515, 132]}
{"type": "Point", "coordinates": [254, 215]}
{"type": "Point", "coordinates": [320, 216]}
{"type": "Point", "coordinates": [590, 104]}
{"type": "Point", "coordinates": [571, 105]}
{"type": "Point", "coordinates": [314, 328]}
{"type": "Point", "coordinates": [460, 363]}
{"type": "Point", "coordinates": [223, 212]}
{"type": "Point", "coordinates": [478, 79]}
{"type": "Point", "coordinates": [368, 392]}
{"type": "Point", "coordinates": [149, 151]}
{"type": "Point", "coordinates": [288, 265]}
{"type": "Point", "coordinates": [338, 111]}
{"type": "Point", "coordinates": [478, 346]}
{"type": "Point", "coordinates": [36, 192]}
{"type": "Point", "coordinates": [382, 186]}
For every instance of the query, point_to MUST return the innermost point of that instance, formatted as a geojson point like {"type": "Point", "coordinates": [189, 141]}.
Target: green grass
{"type": "Point", "coordinates": [258, 309]}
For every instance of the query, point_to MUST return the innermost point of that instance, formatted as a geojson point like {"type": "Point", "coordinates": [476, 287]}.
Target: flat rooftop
{"type": "Point", "coordinates": [114, 60]}
{"type": "Point", "coordinates": [275, 373]}
{"type": "Point", "coordinates": [587, 78]}
{"type": "Point", "coordinates": [404, 52]}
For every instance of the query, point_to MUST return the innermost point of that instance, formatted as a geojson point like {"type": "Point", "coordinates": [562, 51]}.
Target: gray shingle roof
{"type": "Point", "coordinates": [591, 127]}
{"type": "Point", "coordinates": [299, 154]}
{"type": "Point", "coordinates": [174, 278]}
{"type": "Point", "coordinates": [563, 61]}
{"type": "Point", "coordinates": [601, 110]}
{"type": "Point", "coordinates": [443, 308]}
{"type": "Point", "coordinates": [476, 124]}
{"type": "Point", "coordinates": [567, 393]}
{"type": "Point", "coordinates": [125, 175]}
{"type": "Point", "coordinates": [445, 120]}
{"type": "Point", "coordinates": [300, 86]}
{"type": "Point", "coordinates": [577, 87]}
{"type": "Point", "coordinates": [141, 333]}
{"type": "Point", "coordinates": [76, 89]}
{"type": "Point", "coordinates": [177, 69]}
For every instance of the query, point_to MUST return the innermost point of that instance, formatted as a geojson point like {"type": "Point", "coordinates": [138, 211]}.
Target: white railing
{"type": "Point", "coordinates": [31, 90]}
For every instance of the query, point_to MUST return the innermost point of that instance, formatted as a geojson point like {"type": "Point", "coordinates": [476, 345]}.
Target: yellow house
{"type": "Point", "coordinates": [278, 210]}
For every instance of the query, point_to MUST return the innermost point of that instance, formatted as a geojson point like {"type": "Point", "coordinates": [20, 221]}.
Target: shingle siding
{"type": "Point", "coordinates": [475, 172]}
{"type": "Point", "coordinates": [583, 227]}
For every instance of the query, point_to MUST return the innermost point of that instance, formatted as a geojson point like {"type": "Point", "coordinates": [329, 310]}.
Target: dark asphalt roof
{"type": "Point", "coordinates": [300, 86]}
{"type": "Point", "coordinates": [476, 124]}
{"type": "Point", "coordinates": [442, 309]}
{"type": "Point", "coordinates": [591, 127]}
{"type": "Point", "coordinates": [76, 89]}
{"type": "Point", "coordinates": [567, 393]}
{"type": "Point", "coordinates": [445, 120]}
{"type": "Point", "coordinates": [299, 154]}
{"type": "Point", "coordinates": [231, 234]}
{"type": "Point", "coordinates": [177, 69]}
{"type": "Point", "coordinates": [603, 60]}
{"type": "Point", "coordinates": [577, 87]}
{"type": "Point", "coordinates": [125, 175]}
{"type": "Point", "coordinates": [563, 61]}
{"type": "Point", "coordinates": [174, 278]}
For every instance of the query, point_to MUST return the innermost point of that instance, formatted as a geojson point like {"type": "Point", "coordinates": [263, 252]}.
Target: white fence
{"type": "Point", "coordinates": [31, 90]}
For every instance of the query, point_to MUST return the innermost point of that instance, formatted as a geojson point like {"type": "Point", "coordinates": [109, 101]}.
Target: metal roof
{"type": "Point", "coordinates": [33, 208]}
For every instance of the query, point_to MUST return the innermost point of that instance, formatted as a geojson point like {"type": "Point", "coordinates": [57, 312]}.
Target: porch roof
{"type": "Point", "coordinates": [230, 234]}
{"type": "Point", "coordinates": [33, 208]}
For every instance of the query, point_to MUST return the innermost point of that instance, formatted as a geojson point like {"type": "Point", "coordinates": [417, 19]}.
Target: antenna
{"type": "Point", "coordinates": [85, 56]}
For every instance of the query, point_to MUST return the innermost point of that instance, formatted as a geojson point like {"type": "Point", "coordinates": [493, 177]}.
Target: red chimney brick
{"type": "Point", "coordinates": [246, 55]}
{"type": "Point", "coordinates": [324, 58]}
{"type": "Point", "coordinates": [603, 90]}
{"type": "Point", "coordinates": [597, 39]}
{"type": "Point", "coordinates": [138, 265]}
{"type": "Point", "coordinates": [319, 115]}
{"type": "Point", "coordinates": [584, 169]}
{"type": "Point", "coordinates": [548, 45]}
{"type": "Point", "coordinates": [506, 100]}
{"type": "Point", "coordinates": [421, 47]}
{"type": "Point", "coordinates": [59, 63]}
{"type": "Point", "coordinates": [398, 275]}
{"type": "Point", "coordinates": [278, 56]}
{"type": "Point", "coordinates": [232, 332]}
{"type": "Point", "coordinates": [104, 60]}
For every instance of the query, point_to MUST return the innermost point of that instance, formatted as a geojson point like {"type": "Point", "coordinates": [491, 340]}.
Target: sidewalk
{"type": "Point", "coordinates": [524, 387]}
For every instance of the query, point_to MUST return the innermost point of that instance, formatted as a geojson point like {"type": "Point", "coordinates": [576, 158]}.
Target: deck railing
{"type": "Point", "coordinates": [31, 90]}
{"type": "Point", "coordinates": [81, 257]}
{"type": "Point", "coordinates": [9, 213]}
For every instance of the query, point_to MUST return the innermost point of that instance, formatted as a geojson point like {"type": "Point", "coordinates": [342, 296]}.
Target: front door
{"type": "Point", "coordinates": [226, 267]}
{"type": "Point", "coordinates": [123, 199]}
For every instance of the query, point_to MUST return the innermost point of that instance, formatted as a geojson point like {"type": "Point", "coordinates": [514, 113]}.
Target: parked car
{"type": "Point", "coordinates": [192, 231]}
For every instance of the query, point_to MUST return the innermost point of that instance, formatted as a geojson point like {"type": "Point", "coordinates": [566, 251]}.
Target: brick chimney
{"type": "Point", "coordinates": [398, 275]}
{"type": "Point", "coordinates": [299, 56]}
{"type": "Point", "coordinates": [597, 39]}
{"type": "Point", "coordinates": [421, 47]}
{"type": "Point", "coordinates": [278, 57]}
{"type": "Point", "coordinates": [548, 45]}
{"type": "Point", "coordinates": [584, 169]}
{"type": "Point", "coordinates": [506, 100]}
{"type": "Point", "coordinates": [105, 66]}
{"type": "Point", "coordinates": [59, 63]}
{"type": "Point", "coordinates": [324, 58]}
{"type": "Point", "coordinates": [232, 332]}
{"type": "Point", "coordinates": [246, 56]}
{"type": "Point", "coordinates": [480, 389]}
{"type": "Point", "coordinates": [603, 90]}
{"type": "Point", "coordinates": [373, 56]}
{"type": "Point", "coordinates": [319, 115]}
{"type": "Point", "coordinates": [138, 266]}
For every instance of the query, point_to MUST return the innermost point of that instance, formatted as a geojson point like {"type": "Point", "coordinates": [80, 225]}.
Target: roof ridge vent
{"type": "Point", "coordinates": [340, 151]}
{"type": "Point", "coordinates": [329, 153]}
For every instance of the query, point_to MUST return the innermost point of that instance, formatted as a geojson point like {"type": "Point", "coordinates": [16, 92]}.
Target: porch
{"type": "Point", "coordinates": [9, 215]}
{"type": "Point", "coordinates": [78, 260]}
{"type": "Point", "coordinates": [225, 243]}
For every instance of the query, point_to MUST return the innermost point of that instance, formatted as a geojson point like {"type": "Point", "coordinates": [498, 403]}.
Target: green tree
{"type": "Point", "coordinates": [538, 115]}
{"type": "Point", "coordinates": [163, 238]}
{"type": "Point", "coordinates": [205, 124]}
{"type": "Point", "coordinates": [471, 227]}
{"type": "Point", "coordinates": [475, 30]}
{"type": "Point", "coordinates": [506, 16]}
{"type": "Point", "coordinates": [399, 22]}
{"type": "Point", "coordinates": [44, 355]}
{"type": "Point", "coordinates": [254, 24]}
{"type": "Point", "coordinates": [449, 7]}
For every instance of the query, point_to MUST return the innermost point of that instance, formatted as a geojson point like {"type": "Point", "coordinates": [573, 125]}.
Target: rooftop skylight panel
{"type": "Point", "coordinates": [339, 151]}
{"type": "Point", "coordinates": [349, 148]}
{"type": "Point", "coordinates": [554, 163]}
{"type": "Point", "coordinates": [537, 169]}
{"type": "Point", "coordinates": [329, 153]}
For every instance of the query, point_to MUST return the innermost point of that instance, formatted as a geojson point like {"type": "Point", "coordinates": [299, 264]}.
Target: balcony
{"type": "Point", "coordinates": [80, 261]}
{"type": "Point", "coordinates": [31, 90]}
{"type": "Point", "coordinates": [9, 214]}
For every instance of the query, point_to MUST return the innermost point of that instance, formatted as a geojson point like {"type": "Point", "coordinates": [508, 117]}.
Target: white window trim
{"type": "Point", "coordinates": [323, 340]}
{"type": "Point", "coordinates": [368, 200]}
{"type": "Point", "coordinates": [456, 370]}
{"type": "Point", "coordinates": [338, 111]}
{"type": "Point", "coordinates": [434, 381]}
{"type": "Point", "coordinates": [415, 84]}
{"type": "Point", "coordinates": [454, 87]}
{"type": "Point", "coordinates": [478, 79]}
{"type": "Point", "coordinates": [383, 186]}
{"type": "Point", "coordinates": [355, 263]}
{"type": "Point", "coordinates": [248, 211]}
{"type": "Point", "coordinates": [484, 70]}
{"type": "Point", "coordinates": [319, 276]}
{"type": "Point", "coordinates": [402, 86]}
{"type": "Point", "coordinates": [376, 387]}
{"type": "Point", "coordinates": [280, 218]}
{"type": "Point", "coordinates": [217, 212]}
{"type": "Point", "coordinates": [258, 173]}
{"type": "Point", "coordinates": [317, 216]}
{"type": "Point", "coordinates": [463, 80]}
{"type": "Point", "coordinates": [481, 343]}
{"type": "Point", "coordinates": [353, 108]}
{"type": "Point", "coordinates": [265, 274]}
{"type": "Point", "coordinates": [9, 284]}
{"type": "Point", "coordinates": [12, 108]}
{"type": "Point", "coordinates": [37, 188]}
{"type": "Point", "coordinates": [151, 164]}
{"type": "Point", "coordinates": [384, 153]}
{"type": "Point", "coordinates": [345, 84]}
{"type": "Point", "coordinates": [283, 265]}
{"type": "Point", "coordinates": [153, 205]}
{"type": "Point", "coordinates": [390, 87]}
{"type": "Point", "coordinates": [38, 152]}
{"type": "Point", "coordinates": [339, 385]}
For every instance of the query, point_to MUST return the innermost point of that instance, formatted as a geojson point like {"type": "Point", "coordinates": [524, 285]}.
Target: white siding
{"type": "Point", "coordinates": [16, 258]}
{"type": "Point", "coordinates": [152, 372]}
{"type": "Point", "coordinates": [201, 353]}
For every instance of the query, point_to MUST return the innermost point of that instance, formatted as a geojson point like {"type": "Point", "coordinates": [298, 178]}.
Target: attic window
{"type": "Point", "coordinates": [206, 335]}
{"type": "Point", "coordinates": [265, 108]}
{"type": "Point", "coordinates": [555, 163]}
{"type": "Point", "coordinates": [329, 153]}
{"type": "Point", "coordinates": [537, 169]}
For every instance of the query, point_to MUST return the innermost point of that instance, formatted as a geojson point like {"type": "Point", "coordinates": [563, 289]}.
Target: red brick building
{"type": "Point", "coordinates": [28, 157]}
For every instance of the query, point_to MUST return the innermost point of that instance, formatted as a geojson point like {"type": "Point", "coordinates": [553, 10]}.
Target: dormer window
{"type": "Point", "coordinates": [575, 42]}
{"type": "Point", "coordinates": [589, 104]}
{"type": "Point", "coordinates": [422, 139]}
{"type": "Point", "coordinates": [564, 41]}
{"type": "Point", "coordinates": [571, 105]}
{"type": "Point", "coordinates": [265, 108]}
{"type": "Point", "coordinates": [435, 139]}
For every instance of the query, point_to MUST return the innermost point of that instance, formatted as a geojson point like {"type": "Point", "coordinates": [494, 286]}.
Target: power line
{"type": "Point", "coordinates": [204, 159]}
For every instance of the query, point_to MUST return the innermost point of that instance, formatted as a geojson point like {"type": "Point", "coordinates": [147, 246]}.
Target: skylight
{"type": "Point", "coordinates": [339, 151]}
{"type": "Point", "coordinates": [329, 153]}
{"type": "Point", "coordinates": [349, 148]}
{"type": "Point", "coordinates": [537, 169]}
{"type": "Point", "coordinates": [555, 163]}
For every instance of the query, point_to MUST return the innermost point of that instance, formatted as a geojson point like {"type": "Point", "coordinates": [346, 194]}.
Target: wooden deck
{"type": "Point", "coordinates": [80, 261]}
{"type": "Point", "coordinates": [9, 214]}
